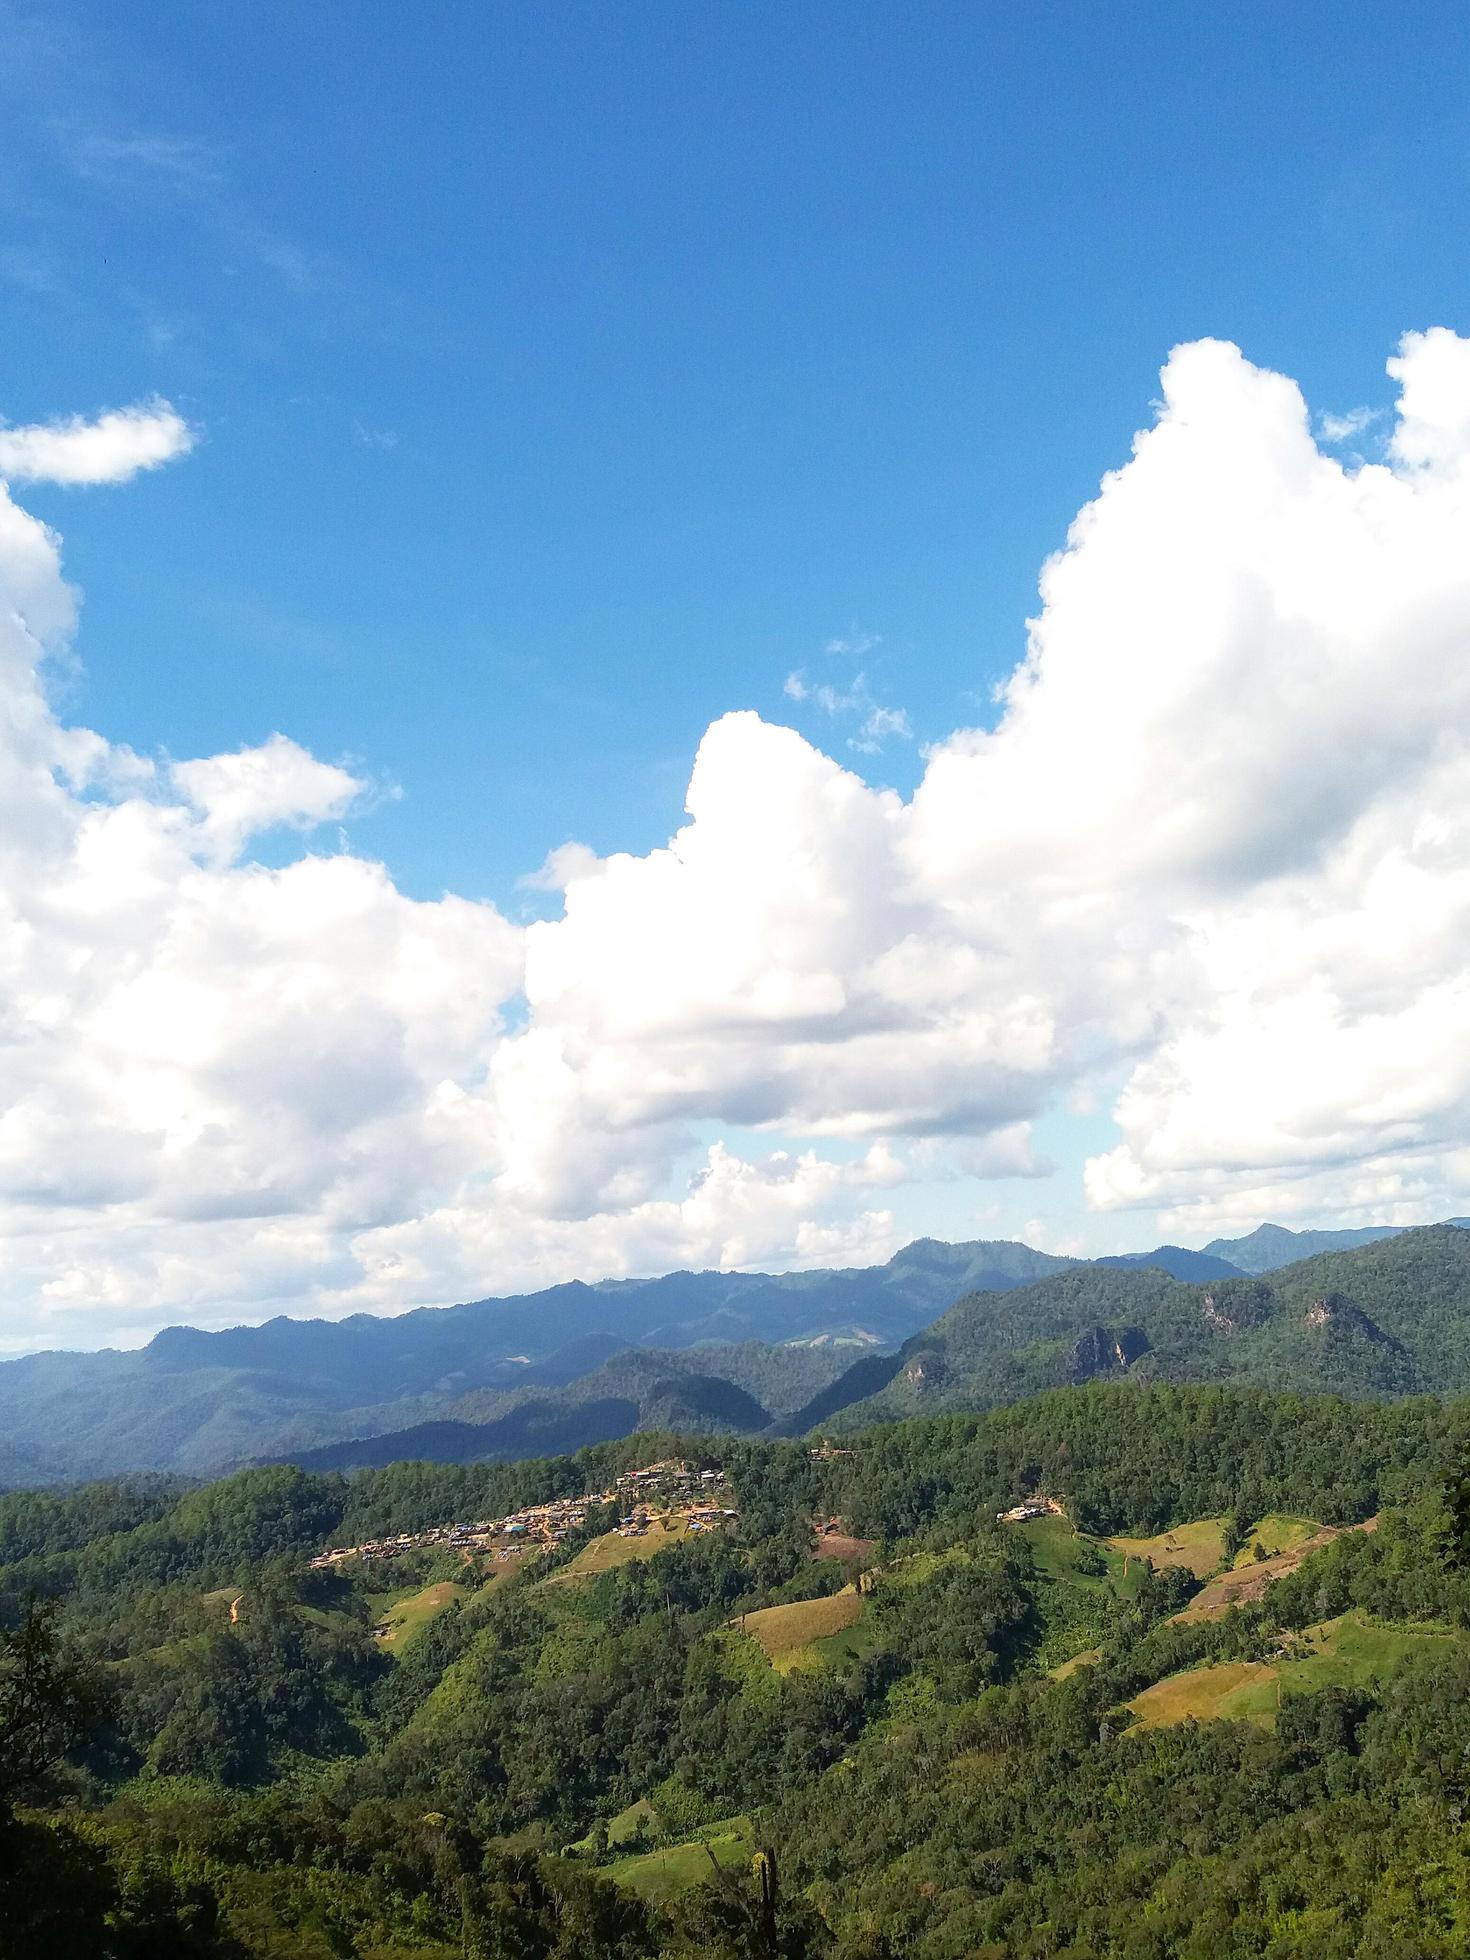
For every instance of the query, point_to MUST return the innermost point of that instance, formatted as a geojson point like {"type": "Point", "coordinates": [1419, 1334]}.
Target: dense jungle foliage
{"type": "Point", "coordinates": [933, 1744]}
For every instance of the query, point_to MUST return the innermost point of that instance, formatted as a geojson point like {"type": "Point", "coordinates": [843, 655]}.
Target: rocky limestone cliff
{"type": "Point", "coordinates": [1230, 1308]}
{"type": "Point", "coordinates": [1337, 1312]}
{"type": "Point", "coordinates": [924, 1373]}
{"type": "Point", "coordinates": [1105, 1351]}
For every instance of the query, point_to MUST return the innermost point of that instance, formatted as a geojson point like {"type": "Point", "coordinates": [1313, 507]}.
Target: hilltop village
{"type": "Point", "coordinates": [700, 1499]}
{"type": "Point", "coordinates": [1029, 1508]}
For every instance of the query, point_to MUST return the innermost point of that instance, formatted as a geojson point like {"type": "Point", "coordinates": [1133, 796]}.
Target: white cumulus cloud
{"type": "Point", "coordinates": [1216, 849]}
{"type": "Point", "coordinates": [114, 447]}
{"type": "Point", "coordinates": [1217, 839]}
{"type": "Point", "coordinates": [256, 789]}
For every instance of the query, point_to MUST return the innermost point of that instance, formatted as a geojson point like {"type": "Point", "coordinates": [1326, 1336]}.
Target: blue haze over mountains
{"type": "Point", "coordinates": [542, 1373]}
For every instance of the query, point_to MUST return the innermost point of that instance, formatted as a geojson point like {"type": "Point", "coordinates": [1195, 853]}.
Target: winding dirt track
{"type": "Point", "coordinates": [1247, 1582]}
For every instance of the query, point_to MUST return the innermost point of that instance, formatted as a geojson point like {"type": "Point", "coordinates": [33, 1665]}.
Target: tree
{"type": "Point", "coordinates": [49, 1700]}
{"type": "Point", "coordinates": [726, 1919]}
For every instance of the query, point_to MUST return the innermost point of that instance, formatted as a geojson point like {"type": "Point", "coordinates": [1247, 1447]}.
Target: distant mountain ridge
{"type": "Point", "coordinates": [574, 1363]}
{"type": "Point", "coordinates": [1381, 1319]}
{"type": "Point", "coordinates": [1178, 1261]}
{"type": "Point", "coordinates": [1270, 1247]}
{"type": "Point", "coordinates": [202, 1402]}
{"type": "Point", "coordinates": [639, 1389]}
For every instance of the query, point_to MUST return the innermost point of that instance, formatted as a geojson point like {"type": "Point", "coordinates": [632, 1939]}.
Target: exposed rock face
{"type": "Point", "coordinates": [1214, 1315]}
{"type": "Point", "coordinates": [924, 1372]}
{"type": "Point", "coordinates": [1230, 1308]}
{"type": "Point", "coordinates": [1336, 1311]}
{"type": "Point", "coordinates": [1106, 1350]}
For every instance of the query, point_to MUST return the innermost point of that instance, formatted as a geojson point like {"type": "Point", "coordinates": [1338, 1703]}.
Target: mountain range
{"type": "Point", "coordinates": [1385, 1318]}
{"type": "Point", "coordinates": [937, 1325]}
{"type": "Point", "coordinates": [203, 1402]}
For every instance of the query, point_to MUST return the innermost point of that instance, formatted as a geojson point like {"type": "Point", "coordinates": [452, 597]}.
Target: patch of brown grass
{"type": "Point", "coordinates": [409, 1616]}
{"type": "Point", "coordinates": [835, 1545]}
{"type": "Point", "coordinates": [786, 1632]}
{"type": "Point", "coordinates": [612, 1550]}
{"type": "Point", "coordinates": [1089, 1657]}
{"type": "Point", "coordinates": [1200, 1546]}
{"type": "Point", "coordinates": [1207, 1693]}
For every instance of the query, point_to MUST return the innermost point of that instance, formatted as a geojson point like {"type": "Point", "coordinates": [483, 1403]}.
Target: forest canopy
{"type": "Point", "coordinates": [900, 1725]}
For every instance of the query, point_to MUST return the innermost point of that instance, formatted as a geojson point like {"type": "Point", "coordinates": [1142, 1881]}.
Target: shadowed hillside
{"type": "Point", "coordinates": [201, 1402]}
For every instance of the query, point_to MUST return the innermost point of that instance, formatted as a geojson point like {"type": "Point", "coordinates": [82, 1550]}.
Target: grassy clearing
{"type": "Point", "coordinates": [656, 1875]}
{"type": "Point", "coordinates": [1130, 1575]}
{"type": "Point", "coordinates": [1061, 1552]}
{"type": "Point", "coordinates": [1202, 1694]}
{"type": "Point", "coordinates": [1276, 1534]}
{"type": "Point", "coordinates": [330, 1617]}
{"type": "Point", "coordinates": [1055, 1546]}
{"type": "Point", "coordinates": [639, 1815]}
{"type": "Point", "coordinates": [407, 1616]}
{"type": "Point", "coordinates": [1206, 1694]}
{"type": "Point", "coordinates": [1350, 1652]}
{"type": "Point", "coordinates": [847, 1645]}
{"type": "Point", "coordinates": [635, 1823]}
{"type": "Point", "coordinates": [915, 1567]}
{"type": "Point", "coordinates": [604, 1554]}
{"type": "Point", "coordinates": [1255, 1577]}
{"type": "Point", "coordinates": [1089, 1657]}
{"type": "Point", "coordinates": [806, 1632]}
{"type": "Point", "coordinates": [1200, 1546]}
{"type": "Point", "coordinates": [1354, 1651]}
{"type": "Point", "coordinates": [1083, 1584]}
{"type": "Point", "coordinates": [169, 1653]}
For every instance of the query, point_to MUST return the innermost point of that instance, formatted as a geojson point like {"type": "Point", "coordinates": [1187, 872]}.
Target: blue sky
{"type": "Point", "coordinates": [562, 381]}
{"type": "Point", "coordinates": [702, 337]}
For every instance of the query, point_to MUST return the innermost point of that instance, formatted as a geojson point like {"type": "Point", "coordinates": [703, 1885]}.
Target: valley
{"type": "Point", "coordinates": [909, 1678]}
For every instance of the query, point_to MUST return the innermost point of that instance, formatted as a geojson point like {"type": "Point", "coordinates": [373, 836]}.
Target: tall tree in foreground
{"type": "Point", "coordinates": [49, 1701]}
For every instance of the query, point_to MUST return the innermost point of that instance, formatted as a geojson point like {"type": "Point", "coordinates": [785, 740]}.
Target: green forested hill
{"type": "Point", "coordinates": [1390, 1317]}
{"type": "Point", "coordinates": [714, 1387]}
{"type": "Point", "coordinates": [946, 1737]}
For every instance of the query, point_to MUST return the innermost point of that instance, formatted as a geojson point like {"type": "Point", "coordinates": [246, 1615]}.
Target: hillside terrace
{"type": "Point", "coordinates": [699, 1497]}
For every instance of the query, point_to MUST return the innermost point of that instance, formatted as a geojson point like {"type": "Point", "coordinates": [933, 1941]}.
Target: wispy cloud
{"type": "Point", "coordinates": [854, 644]}
{"type": "Point", "coordinates": [371, 438]}
{"type": "Point", "coordinates": [103, 156]}
{"type": "Point", "coordinates": [877, 723]}
{"type": "Point", "coordinates": [879, 726]}
{"type": "Point", "coordinates": [78, 125]}
{"type": "Point", "coordinates": [1342, 428]}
